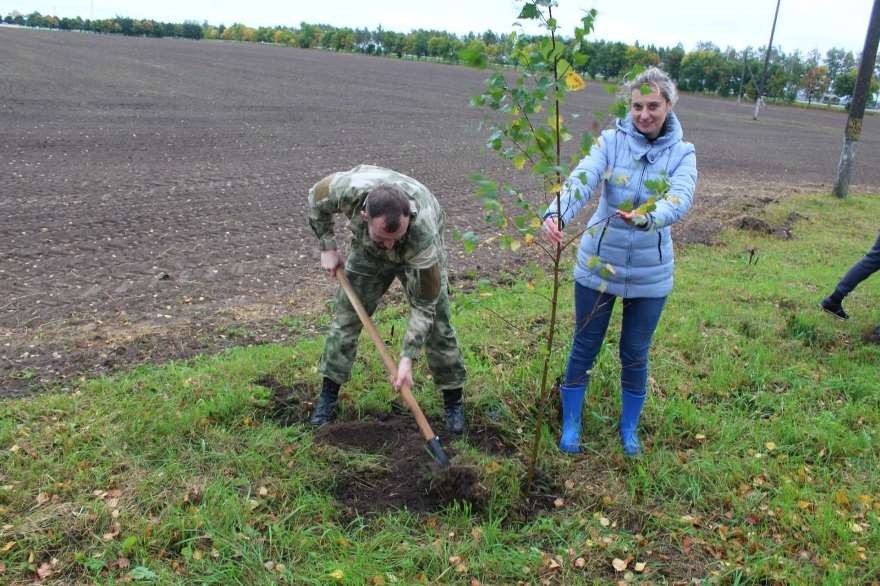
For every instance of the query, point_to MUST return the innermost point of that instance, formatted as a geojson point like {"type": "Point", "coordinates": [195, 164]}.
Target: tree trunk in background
{"type": "Point", "coordinates": [857, 105]}
{"type": "Point", "coordinates": [762, 89]}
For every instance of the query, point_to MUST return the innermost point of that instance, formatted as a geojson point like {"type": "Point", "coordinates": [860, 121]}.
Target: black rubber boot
{"type": "Point", "coordinates": [325, 410]}
{"type": "Point", "coordinates": [454, 411]}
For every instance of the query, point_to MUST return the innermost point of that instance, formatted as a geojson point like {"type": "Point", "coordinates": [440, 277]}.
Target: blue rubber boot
{"type": "Point", "coordinates": [572, 403]}
{"type": "Point", "coordinates": [631, 408]}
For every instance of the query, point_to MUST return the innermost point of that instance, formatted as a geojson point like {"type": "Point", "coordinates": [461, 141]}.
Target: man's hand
{"type": "Point", "coordinates": [551, 231]}
{"type": "Point", "coordinates": [329, 261]}
{"type": "Point", "coordinates": [633, 218]}
{"type": "Point", "coordinates": [404, 374]}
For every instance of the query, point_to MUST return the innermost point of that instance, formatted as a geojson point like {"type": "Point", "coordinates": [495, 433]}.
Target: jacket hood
{"type": "Point", "coordinates": [639, 143]}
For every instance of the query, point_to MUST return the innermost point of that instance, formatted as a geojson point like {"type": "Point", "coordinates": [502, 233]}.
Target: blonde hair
{"type": "Point", "coordinates": [655, 77]}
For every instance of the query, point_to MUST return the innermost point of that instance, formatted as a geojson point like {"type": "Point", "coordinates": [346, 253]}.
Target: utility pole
{"type": "Point", "coordinates": [742, 78]}
{"type": "Point", "coordinates": [763, 87]}
{"type": "Point", "coordinates": [857, 105]}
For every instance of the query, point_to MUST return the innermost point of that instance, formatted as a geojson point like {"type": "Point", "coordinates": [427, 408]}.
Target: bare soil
{"type": "Point", "coordinates": [153, 193]}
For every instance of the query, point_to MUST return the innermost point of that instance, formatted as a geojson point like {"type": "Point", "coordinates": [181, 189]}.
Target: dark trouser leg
{"type": "Point", "coordinates": [444, 358]}
{"type": "Point", "coordinates": [860, 271]}
{"type": "Point", "coordinates": [340, 347]}
{"type": "Point", "coordinates": [640, 319]}
{"type": "Point", "coordinates": [592, 312]}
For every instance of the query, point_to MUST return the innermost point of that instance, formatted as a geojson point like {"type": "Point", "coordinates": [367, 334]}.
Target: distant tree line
{"type": "Point", "coordinates": [706, 69]}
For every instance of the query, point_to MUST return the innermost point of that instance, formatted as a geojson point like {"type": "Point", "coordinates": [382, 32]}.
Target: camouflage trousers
{"type": "Point", "coordinates": [371, 279]}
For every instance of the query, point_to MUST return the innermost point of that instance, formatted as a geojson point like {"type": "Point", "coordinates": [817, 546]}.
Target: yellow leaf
{"type": "Point", "coordinates": [619, 564]}
{"type": "Point", "coordinates": [770, 446]}
{"type": "Point", "coordinates": [640, 567]}
{"type": "Point", "coordinates": [9, 545]}
{"type": "Point", "coordinates": [378, 581]}
{"type": "Point", "coordinates": [574, 82]}
{"type": "Point", "coordinates": [528, 239]}
{"type": "Point", "coordinates": [536, 222]}
{"type": "Point", "coordinates": [555, 188]}
{"type": "Point", "coordinates": [337, 575]}
{"type": "Point", "coordinates": [198, 555]}
{"type": "Point", "coordinates": [519, 161]}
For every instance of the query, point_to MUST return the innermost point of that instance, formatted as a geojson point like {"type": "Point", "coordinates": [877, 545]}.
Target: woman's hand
{"type": "Point", "coordinates": [633, 219]}
{"type": "Point", "coordinates": [551, 231]}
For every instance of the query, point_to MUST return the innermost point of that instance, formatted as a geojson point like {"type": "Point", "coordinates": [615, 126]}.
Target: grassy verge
{"type": "Point", "coordinates": [761, 462]}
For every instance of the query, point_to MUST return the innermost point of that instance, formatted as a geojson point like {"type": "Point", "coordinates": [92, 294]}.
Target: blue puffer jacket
{"type": "Point", "coordinates": [641, 258]}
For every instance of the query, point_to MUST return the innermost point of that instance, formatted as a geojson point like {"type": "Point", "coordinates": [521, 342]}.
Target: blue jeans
{"type": "Point", "coordinates": [858, 273]}
{"type": "Point", "coordinates": [592, 314]}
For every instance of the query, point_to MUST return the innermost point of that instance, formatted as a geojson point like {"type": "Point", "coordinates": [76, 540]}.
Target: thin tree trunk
{"type": "Point", "coordinates": [857, 105]}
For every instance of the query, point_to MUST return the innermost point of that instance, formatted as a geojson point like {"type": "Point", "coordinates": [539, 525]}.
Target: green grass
{"type": "Point", "coordinates": [760, 466]}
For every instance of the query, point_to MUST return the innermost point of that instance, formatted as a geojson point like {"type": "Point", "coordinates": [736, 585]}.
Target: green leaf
{"type": "Point", "coordinates": [529, 11]}
{"type": "Point", "coordinates": [626, 206]}
{"type": "Point", "coordinates": [562, 67]}
{"type": "Point", "coordinates": [618, 109]}
{"type": "Point", "coordinates": [519, 161]}
{"type": "Point", "coordinates": [129, 544]}
{"type": "Point", "coordinates": [593, 262]}
{"type": "Point", "coordinates": [143, 574]}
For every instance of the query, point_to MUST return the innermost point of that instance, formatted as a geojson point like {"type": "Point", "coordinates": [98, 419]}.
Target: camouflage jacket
{"type": "Point", "coordinates": [421, 253]}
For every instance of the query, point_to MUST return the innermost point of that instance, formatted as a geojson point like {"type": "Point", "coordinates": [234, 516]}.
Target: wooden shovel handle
{"type": "Point", "coordinates": [390, 364]}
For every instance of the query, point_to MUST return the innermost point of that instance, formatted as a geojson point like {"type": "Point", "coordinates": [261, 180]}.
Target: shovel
{"type": "Point", "coordinates": [434, 447]}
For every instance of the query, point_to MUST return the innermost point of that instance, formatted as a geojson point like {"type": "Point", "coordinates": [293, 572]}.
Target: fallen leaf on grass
{"type": "Point", "coordinates": [9, 545]}
{"type": "Point", "coordinates": [476, 533]}
{"type": "Point", "coordinates": [42, 498]}
{"type": "Point", "coordinates": [377, 581]}
{"type": "Point", "coordinates": [114, 531]}
{"type": "Point", "coordinates": [640, 567]}
{"type": "Point", "coordinates": [700, 437]}
{"type": "Point", "coordinates": [559, 503]}
{"type": "Point", "coordinates": [44, 571]}
{"type": "Point", "coordinates": [770, 446]}
{"type": "Point", "coordinates": [461, 568]}
{"type": "Point", "coordinates": [580, 563]}
{"type": "Point", "coordinates": [337, 575]}
{"type": "Point", "coordinates": [619, 564]}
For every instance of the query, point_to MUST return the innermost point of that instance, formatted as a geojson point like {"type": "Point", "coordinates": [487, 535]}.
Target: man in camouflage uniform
{"type": "Point", "coordinates": [397, 232]}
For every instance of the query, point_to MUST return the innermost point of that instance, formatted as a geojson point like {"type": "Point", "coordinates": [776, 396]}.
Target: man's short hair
{"type": "Point", "coordinates": [389, 202]}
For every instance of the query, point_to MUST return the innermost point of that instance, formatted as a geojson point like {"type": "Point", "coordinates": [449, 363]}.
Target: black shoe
{"type": "Point", "coordinates": [325, 410]}
{"type": "Point", "coordinates": [834, 308]}
{"type": "Point", "coordinates": [454, 411]}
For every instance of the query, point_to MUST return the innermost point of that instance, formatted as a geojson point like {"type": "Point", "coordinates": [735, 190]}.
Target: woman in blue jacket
{"type": "Point", "coordinates": [629, 255]}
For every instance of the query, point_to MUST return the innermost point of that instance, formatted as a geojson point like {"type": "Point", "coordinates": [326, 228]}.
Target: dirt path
{"type": "Point", "coordinates": [153, 191]}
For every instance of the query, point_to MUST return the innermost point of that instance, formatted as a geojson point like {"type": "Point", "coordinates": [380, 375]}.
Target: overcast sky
{"type": "Point", "coordinates": [803, 24]}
